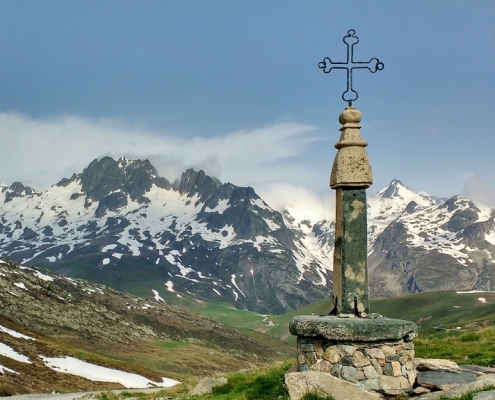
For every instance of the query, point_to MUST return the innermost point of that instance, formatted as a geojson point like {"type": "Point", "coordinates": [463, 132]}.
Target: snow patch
{"type": "Point", "coordinates": [15, 333]}
{"type": "Point", "coordinates": [43, 277]}
{"type": "Point", "coordinates": [108, 247]}
{"type": "Point", "coordinates": [106, 261]}
{"type": "Point", "coordinates": [73, 366]}
{"type": "Point", "coordinates": [170, 286]}
{"type": "Point", "coordinates": [157, 295]}
{"type": "Point", "coordinates": [220, 208]}
{"type": "Point", "coordinates": [232, 279]}
{"type": "Point", "coordinates": [3, 369]}
{"type": "Point", "coordinates": [482, 299]}
{"type": "Point", "coordinates": [20, 285]}
{"type": "Point", "coordinates": [9, 352]}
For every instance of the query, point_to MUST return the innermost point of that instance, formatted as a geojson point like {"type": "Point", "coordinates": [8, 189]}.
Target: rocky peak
{"type": "Point", "coordinates": [101, 178]}
{"type": "Point", "coordinates": [110, 182]}
{"type": "Point", "coordinates": [17, 189]}
{"type": "Point", "coordinates": [193, 182]}
{"type": "Point", "coordinates": [394, 189]}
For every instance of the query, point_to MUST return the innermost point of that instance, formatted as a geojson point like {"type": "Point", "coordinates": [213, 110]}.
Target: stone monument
{"type": "Point", "coordinates": [373, 352]}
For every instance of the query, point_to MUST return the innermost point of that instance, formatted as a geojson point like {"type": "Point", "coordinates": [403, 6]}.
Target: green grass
{"type": "Point", "coordinates": [464, 348]}
{"type": "Point", "coordinates": [172, 345]}
{"type": "Point", "coordinates": [262, 384]}
{"type": "Point", "coordinates": [446, 309]}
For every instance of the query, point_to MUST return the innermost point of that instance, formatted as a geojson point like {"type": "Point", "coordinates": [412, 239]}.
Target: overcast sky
{"type": "Point", "coordinates": [233, 87]}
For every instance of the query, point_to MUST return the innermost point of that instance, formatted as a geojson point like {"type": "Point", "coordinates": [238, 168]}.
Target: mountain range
{"type": "Point", "coordinates": [121, 224]}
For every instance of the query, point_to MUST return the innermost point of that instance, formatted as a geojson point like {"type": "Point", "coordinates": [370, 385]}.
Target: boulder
{"type": "Point", "coordinates": [442, 380]}
{"type": "Point", "coordinates": [435, 364]}
{"type": "Point", "coordinates": [489, 395]}
{"type": "Point", "coordinates": [298, 384]}
{"type": "Point", "coordinates": [206, 385]}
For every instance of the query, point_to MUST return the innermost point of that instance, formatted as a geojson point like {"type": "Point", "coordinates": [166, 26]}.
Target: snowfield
{"type": "Point", "coordinates": [70, 365]}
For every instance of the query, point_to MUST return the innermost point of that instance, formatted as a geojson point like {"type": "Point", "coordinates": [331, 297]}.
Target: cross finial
{"type": "Point", "coordinates": [373, 65]}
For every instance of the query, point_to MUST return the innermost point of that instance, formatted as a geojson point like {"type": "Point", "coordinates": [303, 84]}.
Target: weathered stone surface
{"type": "Point", "coordinates": [389, 383]}
{"type": "Point", "coordinates": [392, 357]}
{"type": "Point", "coordinates": [441, 380]}
{"type": "Point", "coordinates": [359, 360]}
{"type": "Point", "coordinates": [350, 272]}
{"type": "Point", "coordinates": [489, 395]}
{"type": "Point", "coordinates": [396, 368]}
{"type": "Point", "coordinates": [346, 361]}
{"type": "Point", "coordinates": [351, 166]}
{"type": "Point", "coordinates": [420, 390]}
{"type": "Point", "coordinates": [352, 329]}
{"type": "Point", "coordinates": [371, 384]}
{"type": "Point", "coordinates": [375, 353]}
{"type": "Point", "coordinates": [370, 372]}
{"type": "Point", "coordinates": [318, 349]}
{"type": "Point", "coordinates": [477, 369]}
{"type": "Point", "coordinates": [332, 354]}
{"type": "Point", "coordinates": [321, 366]}
{"type": "Point", "coordinates": [434, 364]}
{"type": "Point", "coordinates": [297, 384]}
{"type": "Point", "coordinates": [377, 366]}
{"type": "Point", "coordinates": [461, 389]}
{"type": "Point", "coordinates": [387, 350]}
{"type": "Point", "coordinates": [206, 385]}
{"type": "Point", "coordinates": [351, 374]}
{"type": "Point", "coordinates": [347, 350]}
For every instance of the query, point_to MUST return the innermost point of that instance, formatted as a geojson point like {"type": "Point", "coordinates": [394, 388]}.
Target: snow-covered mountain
{"type": "Point", "coordinates": [120, 223]}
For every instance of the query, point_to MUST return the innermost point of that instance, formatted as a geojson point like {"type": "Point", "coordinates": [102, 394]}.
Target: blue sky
{"type": "Point", "coordinates": [234, 87]}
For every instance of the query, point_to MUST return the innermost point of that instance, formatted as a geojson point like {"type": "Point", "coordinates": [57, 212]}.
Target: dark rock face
{"type": "Point", "coordinates": [133, 178]}
{"type": "Point", "coordinates": [461, 219]}
{"type": "Point", "coordinates": [193, 182]}
{"type": "Point", "coordinates": [17, 189]}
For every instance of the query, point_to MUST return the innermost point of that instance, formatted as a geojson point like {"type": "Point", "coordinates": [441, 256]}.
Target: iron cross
{"type": "Point", "coordinates": [373, 65]}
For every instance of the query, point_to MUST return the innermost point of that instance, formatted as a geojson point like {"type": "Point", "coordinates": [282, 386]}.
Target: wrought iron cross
{"type": "Point", "coordinates": [373, 65]}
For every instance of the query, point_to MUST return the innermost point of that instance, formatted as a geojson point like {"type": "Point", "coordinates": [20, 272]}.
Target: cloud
{"type": "Point", "coordinates": [39, 152]}
{"type": "Point", "coordinates": [477, 189]}
{"type": "Point", "coordinates": [298, 199]}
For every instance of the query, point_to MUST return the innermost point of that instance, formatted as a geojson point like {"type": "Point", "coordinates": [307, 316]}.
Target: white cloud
{"type": "Point", "coordinates": [39, 152]}
{"type": "Point", "coordinates": [478, 189]}
{"type": "Point", "coordinates": [301, 201]}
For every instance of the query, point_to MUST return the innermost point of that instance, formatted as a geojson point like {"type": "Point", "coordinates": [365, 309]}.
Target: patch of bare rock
{"type": "Point", "coordinates": [436, 378]}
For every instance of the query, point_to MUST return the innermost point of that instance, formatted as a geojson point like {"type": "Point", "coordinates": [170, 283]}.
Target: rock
{"type": "Point", "coordinates": [442, 380]}
{"type": "Point", "coordinates": [489, 395]}
{"type": "Point", "coordinates": [420, 390]}
{"type": "Point", "coordinates": [352, 329]}
{"type": "Point", "coordinates": [206, 385]}
{"type": "Point", "coordinates": [461, 389]}
{"type": "Point", "coordinates": [299, 383]}
{"type": "Point", "coordinates": [434, 364]}
{"type": "Point", "coordinates": [477, 369]}
{"type": "Point", "coordinates": [375, 353]}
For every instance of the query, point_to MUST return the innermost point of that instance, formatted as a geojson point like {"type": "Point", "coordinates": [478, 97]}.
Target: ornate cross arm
{"type": "Point", "coordinates": [372, 65]}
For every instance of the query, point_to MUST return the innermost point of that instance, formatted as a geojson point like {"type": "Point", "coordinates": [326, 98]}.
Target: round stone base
{"type": "Point", "coordinates": [378, 363]}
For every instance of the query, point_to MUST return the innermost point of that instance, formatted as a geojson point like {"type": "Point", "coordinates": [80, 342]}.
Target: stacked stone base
{"type": "Point", "coordinates": [374, 354]}
{"type": "Point", "coordinates": [384, 366]}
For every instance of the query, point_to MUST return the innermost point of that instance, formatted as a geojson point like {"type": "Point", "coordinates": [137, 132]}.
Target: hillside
{"type": "Point", "coordinates": [55, 316]}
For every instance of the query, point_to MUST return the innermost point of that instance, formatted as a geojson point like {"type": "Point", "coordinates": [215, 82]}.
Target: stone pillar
{"type": "Point", "coordinates": [368, 350]}
{"type": "Point", "coordinates": [351, 175]}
